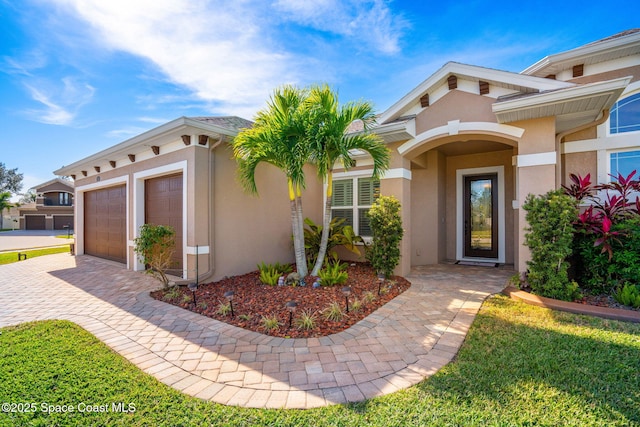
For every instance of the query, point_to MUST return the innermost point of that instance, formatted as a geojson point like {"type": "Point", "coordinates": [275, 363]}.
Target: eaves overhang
{"type": "Point", "coordinates": [572, 106]}
{"type": "Point", "coordinates": [160, 135]}
{"type": "Point", "coordinates": [591, 53]}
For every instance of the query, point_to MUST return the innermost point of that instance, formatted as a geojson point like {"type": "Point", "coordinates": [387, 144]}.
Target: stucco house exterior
{"type": "Point", "coordinates": [468, 145]}
{"type": "Point", "coordinates": [53, 208]}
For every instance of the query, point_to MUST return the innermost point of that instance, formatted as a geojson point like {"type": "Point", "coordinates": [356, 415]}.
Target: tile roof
{"type": "Point", "coordinates": [229, 122]}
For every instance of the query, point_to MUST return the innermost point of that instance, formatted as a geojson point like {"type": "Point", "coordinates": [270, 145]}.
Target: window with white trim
{"type": "Point", "coordinates": [625, 115]}
{"type": "Point", "coordinates": [624, 162]}
{"type": "Point", "coordinates": [352, 198]}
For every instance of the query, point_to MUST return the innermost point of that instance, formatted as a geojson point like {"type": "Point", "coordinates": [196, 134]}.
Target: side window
{"type": "Point", "coordinates": [352, 199]}
{"type": "Point", "coordinates": [625, 115]}
{"type": "Point", "coordinates": [624, 162]}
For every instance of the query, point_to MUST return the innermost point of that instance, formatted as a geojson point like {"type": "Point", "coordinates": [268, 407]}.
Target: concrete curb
{"type": "Point", "coordinates": [572, 307]}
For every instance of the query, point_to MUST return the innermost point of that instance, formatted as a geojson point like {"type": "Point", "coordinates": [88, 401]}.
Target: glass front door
{"type": "Point", "coordinates": [481, 216]}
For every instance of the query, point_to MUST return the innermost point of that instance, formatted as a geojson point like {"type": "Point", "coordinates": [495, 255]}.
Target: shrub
{"type": "Point", "coordinates": [386, 226]}
{"type": "Point", "coordinates": [369, 297]}
{"type": "Point", "coordinates": [307, 320]}
{"type": "Point", "coordinates": [549, 237]}
{"type": "Point", "coordinates": [334, 273]}
{"type": "Point", "coordinates": [269, 275]}
{"type": "Point", "coordinates": [224, 308]}
{"type": "Point", "coordinates": [270, 323]}
{"type": "Point", "coordinates": [155, 245]}
{"type": "Point", "coordinates": [172, 294]}
{"type": "Point", "coordinates": [607, 240]}
{"type": "Point", "coordinates": [629, 295]}
{"type": "Point", "coordinates": [339, 235]}
{"type": "Point", "coordinates": [333, 313]}
{"type": "Point", "coordinates": [356, 305]}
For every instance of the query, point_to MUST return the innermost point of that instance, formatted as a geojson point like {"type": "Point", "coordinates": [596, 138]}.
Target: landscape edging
{"type": "Point", "coordinates": [572, 307]}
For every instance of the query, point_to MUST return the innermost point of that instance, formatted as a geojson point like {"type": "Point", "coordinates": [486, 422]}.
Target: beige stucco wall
{"type": "Point", "coordinates": [251, 229]}
{"type": "Point", "coordinates": [456, 105]}
{"type": "Point", "coordinates": [239, 230]}
{"type": "Point", "coordinates": [579, 164]}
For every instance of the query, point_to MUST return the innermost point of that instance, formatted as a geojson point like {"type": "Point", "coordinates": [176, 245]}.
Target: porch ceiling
{"type": "Point", "coordinates": [460, 148]}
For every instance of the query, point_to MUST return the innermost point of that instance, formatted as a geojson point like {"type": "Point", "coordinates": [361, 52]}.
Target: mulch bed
{"type": "Point", "coordinates": [252, 300]}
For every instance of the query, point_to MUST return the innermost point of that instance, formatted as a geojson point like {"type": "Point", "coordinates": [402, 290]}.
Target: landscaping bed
{"type": "Point", "coordinates": [253, 302]}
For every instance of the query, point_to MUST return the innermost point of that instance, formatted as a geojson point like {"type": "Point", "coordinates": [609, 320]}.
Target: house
{"type": "Point", "coordinates": [53, 208]}
{"type": "Point", "coordinates": [183, 174]}
{"type": "Point", "coordinates": [468, 145]}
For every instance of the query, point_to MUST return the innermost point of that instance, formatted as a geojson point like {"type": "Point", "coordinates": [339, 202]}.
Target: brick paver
{"type": "Point", "coordinates": [398, 346]}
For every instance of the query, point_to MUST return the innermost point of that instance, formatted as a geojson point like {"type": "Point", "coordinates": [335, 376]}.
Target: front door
{"type": "Point", "coordinates": [480, 216]}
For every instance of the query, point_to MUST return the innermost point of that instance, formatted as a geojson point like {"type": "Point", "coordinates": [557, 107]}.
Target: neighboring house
{"type": "Point", "coordinates": [53, 208]}
{"type": "Point", "coordinates": [468, 145]}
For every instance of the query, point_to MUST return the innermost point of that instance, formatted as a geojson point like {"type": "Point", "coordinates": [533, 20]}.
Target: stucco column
{"type": "Point", "coordinates": [535, 174]}
{"type": "Point", "coordinates": [397, 182]}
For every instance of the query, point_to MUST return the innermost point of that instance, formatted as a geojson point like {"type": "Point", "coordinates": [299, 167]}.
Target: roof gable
{"type": "Point", "coordinates": [436, 87]}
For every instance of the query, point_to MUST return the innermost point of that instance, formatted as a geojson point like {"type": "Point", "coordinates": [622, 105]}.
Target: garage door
{"type": "Point", "coordinates": [34, 222]}
{"type": "Point", "coordinates": [163, 206]}
{"type": "Point", "coordinates": [59, 221]}
{"type": "Point", "coordinates": [105, 223]}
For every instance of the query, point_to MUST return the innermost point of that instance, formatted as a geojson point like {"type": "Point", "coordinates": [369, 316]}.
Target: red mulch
{"type": "Point", "coordinates": [255, 299]}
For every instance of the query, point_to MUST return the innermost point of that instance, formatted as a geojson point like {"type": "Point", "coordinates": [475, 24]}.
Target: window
{"type": "Point", "coordinates": [625, 115]}
{"type": "Point", "coordinates": [624, 162]}
{"type": "Point", "coordinates": [352, 198]}
{"type": "Point", "coordinates": [64, 199]}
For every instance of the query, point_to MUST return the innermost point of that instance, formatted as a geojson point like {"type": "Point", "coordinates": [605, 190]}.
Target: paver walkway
{"type": "Point", "coordinates": [397, 346]}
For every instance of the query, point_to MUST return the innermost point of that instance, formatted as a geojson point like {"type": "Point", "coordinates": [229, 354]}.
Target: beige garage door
{"type": "Point", "coordinates": [163, 206]}
{"type": "Point", "coordinates": [105, 223]}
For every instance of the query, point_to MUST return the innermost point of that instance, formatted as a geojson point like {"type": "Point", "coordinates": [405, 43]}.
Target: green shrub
{"type": "Point", "coordinates": [334, 273]}
{"type": "Point", "coordinates": [270, 273]}
{"type": "Point", "coordinates": [601, 275]}
{"type": "Point", "coordinates": [339, 235]}
{"type": "Point", "coordinates": [333, 313]}
{"type": "Point", "coordinates": [386, 226]}
{"type": "Point", "coordinates": [270, 323]}
{"type": "Point", "coordinates": [306, 321]}
{"type": "Point", "coordinates": [628, 295]}
{"type": "Point", "coordinates": [155, 246]}
{"type": "Point", "coordinates": [549, 237]}
{"type": "Point", "coordinates": [224, 308]}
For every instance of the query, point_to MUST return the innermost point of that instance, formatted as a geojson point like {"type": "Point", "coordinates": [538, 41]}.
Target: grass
{"type": "Point", "coordinates": [9, 257]}
{"type": "Point", "coordinates": [520, 366]}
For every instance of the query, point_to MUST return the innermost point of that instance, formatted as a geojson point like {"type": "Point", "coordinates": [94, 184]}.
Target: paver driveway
{"type": "Point", "coordinates": [397, 346]}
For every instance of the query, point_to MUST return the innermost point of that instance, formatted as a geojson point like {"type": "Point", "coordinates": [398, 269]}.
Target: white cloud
{"type": "Point", "coordinates": [369, 22]}
{"type": "Point", "coordinates": [230, 53]}
{"type": "Point", "coordinates": [61, 102]}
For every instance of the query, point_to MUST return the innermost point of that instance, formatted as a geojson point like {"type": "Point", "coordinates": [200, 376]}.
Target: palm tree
{"type": "Point", "coordinates": [278, 137]}
{"type": "Point", "coordinates": [5, 203]}
{"type": "Point", "coordinates": [330, 144]}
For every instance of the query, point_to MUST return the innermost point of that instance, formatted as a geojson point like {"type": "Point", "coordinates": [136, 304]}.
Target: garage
{"type": "Point", "coordinates": [34, 222]}
{"type": "Point", "coordinates": [59, 221]}
{"type": "Point", "coordinates": [105, 223]}
{"type": "Point", "coordinates": [163, 206]}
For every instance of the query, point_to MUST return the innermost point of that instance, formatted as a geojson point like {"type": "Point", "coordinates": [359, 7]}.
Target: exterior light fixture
{"type": "Point", "coordinates": [229, 296]}
{"type": "Point", "coordinates": [291, 306]}
{"type": "Point", "coordinates": [346, 291]}
{"type": "Point", "coordinates": [193, 287]}
{"type": "Point", "coordinates": [380, 282]}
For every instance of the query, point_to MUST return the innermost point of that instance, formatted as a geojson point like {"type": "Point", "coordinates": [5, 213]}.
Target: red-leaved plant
{"type": "Point", "coordinates": [606, 209]}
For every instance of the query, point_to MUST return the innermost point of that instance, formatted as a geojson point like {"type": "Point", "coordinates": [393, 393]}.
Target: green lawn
{"type": "Point", "coordinates": [9, 257]}
{"type": "Point", "coordinates": [520, 366]}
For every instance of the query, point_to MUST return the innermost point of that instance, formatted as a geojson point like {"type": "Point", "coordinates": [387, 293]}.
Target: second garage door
{"type": "Point", "coordinates": [34, 222]}
{"type": "Point", "coordinates": [163, 206]}
{"type": "Point", "coordinates": [59, 221]}
{"type": "Point", "coordinates": [105, 223]}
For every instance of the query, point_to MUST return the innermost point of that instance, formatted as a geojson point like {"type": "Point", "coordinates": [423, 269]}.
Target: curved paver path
{"type": "Point", "coordinates": [399, 345]}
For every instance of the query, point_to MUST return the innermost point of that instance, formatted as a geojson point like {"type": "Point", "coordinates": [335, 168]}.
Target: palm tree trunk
{"type": "Point", "coordinates": [300, 249]}
{"type": "Point", "coordinates": [298, 236]}
{"type": "Point", "coordinates": [326, 224]}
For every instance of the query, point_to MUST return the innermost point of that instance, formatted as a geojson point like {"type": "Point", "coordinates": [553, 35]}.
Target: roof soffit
{"type": "Point", "coordinates": [571, 107]}
{"type": "Point", "coordinates": [592, 53]}
{"type": "Point", "coordinates": [159, 136]}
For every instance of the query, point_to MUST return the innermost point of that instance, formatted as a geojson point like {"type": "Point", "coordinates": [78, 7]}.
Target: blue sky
{"type": "Point", "coordinates": [78, 76]}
